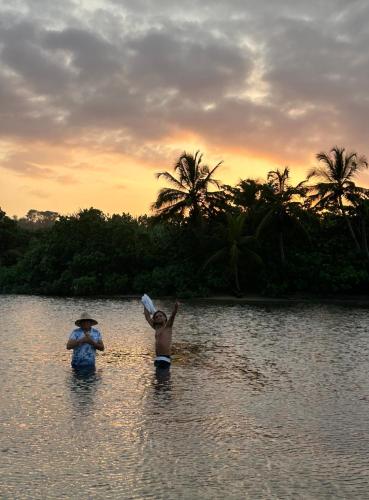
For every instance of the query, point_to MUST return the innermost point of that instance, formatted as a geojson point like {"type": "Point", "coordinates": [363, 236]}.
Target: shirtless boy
{"type": "Point", "coordinates": [163, 335]}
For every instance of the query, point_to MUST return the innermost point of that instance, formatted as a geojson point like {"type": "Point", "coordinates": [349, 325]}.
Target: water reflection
{"type": "Point", "coordinates": [162, 382]}
{"type": "Point", "coordinates": [280, 393]}
{"type": "Point", "coordinates": [83, 384]}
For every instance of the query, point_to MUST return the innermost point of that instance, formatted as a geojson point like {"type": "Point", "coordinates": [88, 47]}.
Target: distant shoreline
{"type": "Point", "coordinates": [362, 300]}
{"type": "Point", "coordinates": [261, 299]}
{"type": "Point", "coordinates": [354, 300]}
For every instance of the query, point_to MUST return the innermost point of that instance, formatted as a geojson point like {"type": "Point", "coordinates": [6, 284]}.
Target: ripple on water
{"type": "Point", "coordinates": [259, 403]}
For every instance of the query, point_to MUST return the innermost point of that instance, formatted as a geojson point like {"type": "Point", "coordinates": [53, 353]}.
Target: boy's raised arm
{"type": "Point", "coordinates": [148, 317]}
{"type": "Point", "coordinates": [173, 315]}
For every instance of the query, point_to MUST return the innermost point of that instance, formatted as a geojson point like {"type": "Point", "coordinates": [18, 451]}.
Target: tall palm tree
{"type": "Point", "coordinates": [359, 198]}
{"type": "Point", "coordinates": [283, 207]}
{"type": "Point", "coordinates": [337, 174]}
{"type": "Point", "coordinates": [235, 247]}
{"type": "Point", "coordinates": [190, 195]}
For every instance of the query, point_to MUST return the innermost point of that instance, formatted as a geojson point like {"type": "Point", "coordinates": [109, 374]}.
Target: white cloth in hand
{"type": "Point", "coordinates": [148, 303]}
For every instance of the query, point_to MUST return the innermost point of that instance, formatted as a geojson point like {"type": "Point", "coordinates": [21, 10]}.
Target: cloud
{"type": "Point", "coordinates": [45, 163]}
{"type": "Point", "coordinates": [125, 76]}
{"type": "Point", "coordinates": [35, 68]}
{"type": "Point", "coordinates": [21, 164]}
{"type": "Point", "coordinates": [186, 62]}
{"type": "Point", "coordinates": [87, 55]}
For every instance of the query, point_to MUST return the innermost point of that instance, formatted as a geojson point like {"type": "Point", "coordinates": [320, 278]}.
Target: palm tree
{"type": "Point", "coordinates": [283, 208]}
{"type": "Point", "coordinates": [337, 173]}
{"type": "Point", "coordinates": [247, 195]}
{"type": "Point", "coordinates": [235, 247]}
{"type": "Point", "coordinates": [190, 195]}
{"type": "Point", "coordinates": [360, 204]}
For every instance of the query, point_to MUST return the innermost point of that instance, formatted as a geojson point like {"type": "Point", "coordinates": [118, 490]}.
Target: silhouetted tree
{"type": "Point", "coordinates": [283, 207]}
{"type": "Point", "coordinates": [359, 199]}
{"type": "Point", "coordinates": [190, 195]}
{"type": "Point", "coordinates": [247, 194]}
{"type": "Point", "coordinates": [236, 247]}
{"type": "Point", "coordinates": [337, 173]}
{"type": "Point", "coordinates": [36, 219]}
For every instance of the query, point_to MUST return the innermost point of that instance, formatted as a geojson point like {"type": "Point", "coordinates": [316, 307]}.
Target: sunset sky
{"type": "Point", "coordinates": [98, 95]}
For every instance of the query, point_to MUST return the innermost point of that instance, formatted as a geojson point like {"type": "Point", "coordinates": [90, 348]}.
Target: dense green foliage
{"type": "Point", "coordinates": [264, 237]}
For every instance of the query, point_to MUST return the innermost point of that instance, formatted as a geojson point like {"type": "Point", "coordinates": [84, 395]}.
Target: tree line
{"type": "Point", "coordinates": [203, 237]}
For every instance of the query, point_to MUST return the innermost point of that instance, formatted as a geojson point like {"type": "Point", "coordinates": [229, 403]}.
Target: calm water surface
{"type": "Point", "coordinates": [262, 402]}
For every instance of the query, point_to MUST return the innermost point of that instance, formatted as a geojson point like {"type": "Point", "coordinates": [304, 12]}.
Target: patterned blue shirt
{"type": "Point", "coordinates": [84, 355]}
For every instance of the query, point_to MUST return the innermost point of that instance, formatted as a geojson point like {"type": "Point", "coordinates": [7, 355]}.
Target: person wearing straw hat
{"type": "Point", "coordinates": [84, 341]}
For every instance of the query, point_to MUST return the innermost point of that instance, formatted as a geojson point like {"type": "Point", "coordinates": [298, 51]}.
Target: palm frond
{"type": "Point", "coordinates": [168, 196]}
{"type": "Point", "coordinates": [246, 240]}
{"type": "Point", "coordinates": [183, 169]}
{"type": "Point", "coordinates": [310, 174]}
{"type": "Point", "coordinates": [235, 224]}
{"type": "Point", "coordinates": [174, 210]}
{"type": "Point", "coordinates": [215, 257]}
{"type": "Point", "coordinates": [234, 253]}
{"type": "Point", "coordinates": [253, 258]}
{"type": "Point", "coordinates": [198, 157]}
{"type": "Point", "coordinates": [325, 158]}
{"type": "Point", "coordinates": [170, 178]}
{"type": "Point", "coordinates": [265, 222]}
{"type": "Point", "coordinates": [208, 178]}
{"type": "Point", "coordinates": [324, 201]}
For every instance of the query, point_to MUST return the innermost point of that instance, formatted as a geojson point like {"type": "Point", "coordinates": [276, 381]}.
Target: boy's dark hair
{"type": "Point", "coordinates": [159, 311]}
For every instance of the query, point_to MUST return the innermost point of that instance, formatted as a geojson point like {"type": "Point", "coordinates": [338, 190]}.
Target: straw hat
{"type": "Point", "coordinates": [85, 317]}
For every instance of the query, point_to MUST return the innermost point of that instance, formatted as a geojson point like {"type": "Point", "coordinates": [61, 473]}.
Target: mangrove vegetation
{"type": "Point", "coordinates": [203, 238]}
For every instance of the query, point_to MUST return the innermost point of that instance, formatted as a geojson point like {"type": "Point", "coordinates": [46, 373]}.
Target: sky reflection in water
{"type": "Point", "coordinates": [259, 403]}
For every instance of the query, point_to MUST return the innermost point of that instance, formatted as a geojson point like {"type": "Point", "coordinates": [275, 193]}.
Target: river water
{"type": "Point", "coordinates": [261, 402]}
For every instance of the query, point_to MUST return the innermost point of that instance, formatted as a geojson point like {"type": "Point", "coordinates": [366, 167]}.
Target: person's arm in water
{"type": "Point", "coordinates": [173, 315]}
{"type": "Point", "coordinates": [148, 317]}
